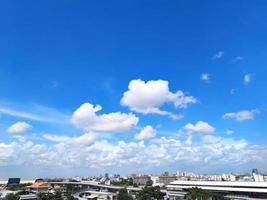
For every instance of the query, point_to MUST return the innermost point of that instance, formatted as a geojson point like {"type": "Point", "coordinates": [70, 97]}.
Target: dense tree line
{"type": "Point", "coordinates": [16, 187]}
{"type": "Point", "coordinates": [149, 192]}
{"type": "Point", "coordinates": [41, 196]}
{"type": "Point", "coordinates": [123, 182]}
{"type": "Point", "coordinates": [146, 193]}
{"type": "Point", "coordinates": [199, 194]}
{"type": "Point", "coordinates": [55, 196]}
{"type": "Point", "coordinates": [123, 195]}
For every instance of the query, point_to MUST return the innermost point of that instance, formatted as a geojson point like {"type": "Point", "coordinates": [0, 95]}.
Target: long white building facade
{"type": "Point", "coordinates": [232, 189]}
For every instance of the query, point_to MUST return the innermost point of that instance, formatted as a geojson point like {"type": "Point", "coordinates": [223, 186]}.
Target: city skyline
{"type": "Point", "coordinates": [132, 87]}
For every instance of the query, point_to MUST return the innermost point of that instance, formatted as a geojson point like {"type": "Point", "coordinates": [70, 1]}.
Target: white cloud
{"type": "Point", "coordinates": [85, 139]}
{"type": "Point", "coordinates": [233, 91]}
{"type": "Point", "coordinates": [205, 77]}
{"type": "Point", "coordinates": [85, 117]}
{"type": "Point", "coordinates": [18, 127]}
{"type": "Point", "coordinates": [229, 132]}
{"type": "Point", "coordinates": [247, 79]}
{"type": "Point", "coordinates": [218, 55]}
{"type": "Point", "coordinates": [238, 59]}
{"type": "Point", "coordinates": [188, 141]}
{"type": "Point", "coordinates": [210, 139]}
{"type": "Point", "coordinates": [199, 127]}
{"type": "Point", "coordinates": [12, 112]}
{"type": "Point", "coordinates": [148, 97]}
{"type": "Point", "coordinates": [146, 133]}
{"type": "Point", "coordinates": [243, 115]}
{"type": "Point", "coordinates": [39, 113]}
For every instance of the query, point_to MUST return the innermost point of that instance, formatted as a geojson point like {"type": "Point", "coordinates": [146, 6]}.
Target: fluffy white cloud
{"type": "Point", "coordinates": [243, 115]}
{"type": "Point", "coordinates": [205, 77]}
{"type": "Point", "coordinates": [218, 55]}
{"type": "Point", "coordinates": [146, 133]}
{"type": "Point", "coordinates": [210, 139]}
{"type": "Point", "coordinates": [85, 117]}
{"type": "Point", "coordinates": [148, 97]}
{"type": "Point", "coordinates": [199, 127]}
{"type": "Point", "coordinates": [18, 127]}
{"type": "Point", "coordinates": [247, 79]}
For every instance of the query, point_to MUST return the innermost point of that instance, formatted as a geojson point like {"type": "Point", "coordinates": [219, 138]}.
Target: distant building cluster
{"type": "Point", "coordinates": [167, 177]}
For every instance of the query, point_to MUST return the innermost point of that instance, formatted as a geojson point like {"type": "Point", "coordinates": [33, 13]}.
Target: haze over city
{"type": "Point", "coordinates": [123, 87]}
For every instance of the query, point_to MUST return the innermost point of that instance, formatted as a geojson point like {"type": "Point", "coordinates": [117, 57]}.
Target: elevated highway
{"type": "Point", "coordinates": [98, 185]}
{"type": "Point", "coordinates": [95, 184]}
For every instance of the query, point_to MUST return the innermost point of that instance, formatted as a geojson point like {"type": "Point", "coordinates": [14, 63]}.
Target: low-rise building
{"type": "Point", "coordinates": [140, 180]}
{"type": "Point", "coordinates": [38, 187]}
{"type": "Point", "coordinates": [231, 189]}
{"type": "Point", "coordinates": [214, 178]}
{"type": "Point", "coordinates": [258, 177]}
{"type": "Point", "coordinates": [98, 195]}
{"type": "Point", "coordinates": [162, 180]}
{"type": "Point", "coordinates": [229, 177]}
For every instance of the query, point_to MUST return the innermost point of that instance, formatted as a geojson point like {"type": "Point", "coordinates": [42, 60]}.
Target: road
{"type": "Point", "coordinates": [95, 184]}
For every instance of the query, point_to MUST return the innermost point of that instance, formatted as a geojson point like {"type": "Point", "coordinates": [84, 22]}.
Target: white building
{"type": "Point", "coordinates": [162, 180]}
{"type": "Point", "coordinates": [258, 177]}
{"type": "Point", "coordinates": [227, 188]}
{"type": "Point", "coordinates": [229, 177]}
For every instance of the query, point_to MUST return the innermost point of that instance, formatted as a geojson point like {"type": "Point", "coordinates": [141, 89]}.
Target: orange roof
{"type": "Point", "coordinates": [38, 185]}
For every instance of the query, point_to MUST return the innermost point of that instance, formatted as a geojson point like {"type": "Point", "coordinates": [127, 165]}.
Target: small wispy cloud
{"type": "Point", "coordinates": [55, 84]}
{"type": "Point", "coordinates": [205, 77]}
{"type": "Point", "coordinates": [218, 55]}
{"type": "Point", "coordinates": [243, 115]}
{"type": "Point", "coordinates": [38, 113]}
{"type": "Point", "coordinates": [233, 91]}
{"type": "Point", "coordinates": [247, 79]}
{"type": "Point", "coordinates": [238, 59]}
{"type": "Point", "coordinates": [229, 132]}
{"type": "Point", "coordinates": [21, 114]}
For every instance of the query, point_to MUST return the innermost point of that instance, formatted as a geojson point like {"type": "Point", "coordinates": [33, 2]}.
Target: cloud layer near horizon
{"type": "Point", "coordinates": [84, 150]}
{"type": "Point", "coordinates": [196, 143]}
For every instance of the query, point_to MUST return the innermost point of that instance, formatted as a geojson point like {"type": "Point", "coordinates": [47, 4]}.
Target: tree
{"type": "Point", "coordinates": [149, 182]}
{"type": "Point", "coordinates": [11, 196]}
{"type": "Point", "coordinates": [123, 195]}
{"type": "Point", "coordinates": [130, 181]}
{"type": "Point", "coordinates": [58, 195]}
{"type": "Point", "coordinates": [70, 197]}
{"type": "Point", "coordinates": [69, 189]}
{"type": "Point", "coordinates": [22, 192]}
{"type": "Point", "coordinates": [45, 196]}
{"type": "Point", "coordinates": [18, 187]}
{"type": "Point", "coordinates": [197, 193]}
{"type": "Point", "coordinates": [123, 182]}
{"type": "Point", "coordinates": [149, 192]}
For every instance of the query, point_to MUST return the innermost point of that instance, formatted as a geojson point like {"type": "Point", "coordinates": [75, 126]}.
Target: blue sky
{"type": "Point", "coordinates": [202, 62]}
